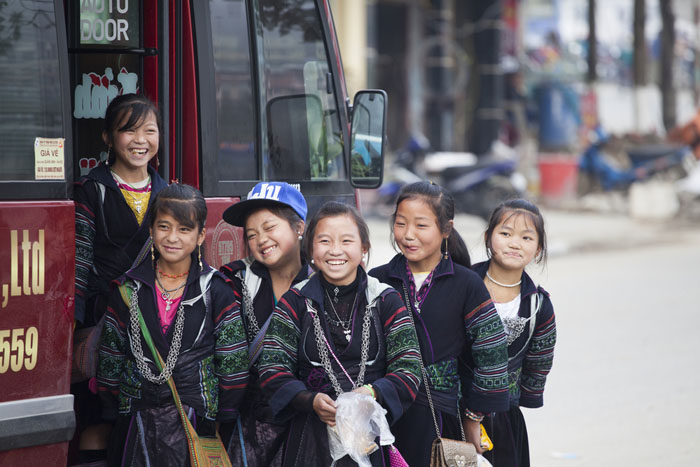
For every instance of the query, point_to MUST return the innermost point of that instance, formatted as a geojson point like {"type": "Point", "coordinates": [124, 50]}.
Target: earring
{"type": "Point", "coordinates": [312, 261]}
{"type": "Point", "coordinates": [446, 249]}
{"type": "Point", "coordinates": [109, 150]}
{"type": "Point", "coordinates": [153, 255]}
{"type": "Point", "coordinates": [199, 255]}
{"type": "Point", "coordinates": [300, 236]}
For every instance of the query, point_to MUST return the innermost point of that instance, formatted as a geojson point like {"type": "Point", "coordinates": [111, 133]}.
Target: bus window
{"type": "Point", "coordinates": [31, 91]}
{"type": "Point", "coordinates": [294, 65]}
{"type": "Point", "coordinates": [235, 112]}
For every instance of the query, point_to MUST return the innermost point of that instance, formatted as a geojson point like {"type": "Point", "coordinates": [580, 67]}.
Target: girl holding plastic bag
{"type": "Point", "coordinates": [338, 331]}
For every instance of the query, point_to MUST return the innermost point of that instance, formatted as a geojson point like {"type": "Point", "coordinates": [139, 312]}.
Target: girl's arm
{"type": "Point", "coordinates": [486, 388]}
{"type": "Point", "coordinates": [539, 357]}
{"type": "Point", "coordinates": [398, 388]}
{"type": "Point", "coordinates": [278, 362]}
{"type": "Point", "coordinates": [230, 350]}
{"type": "Point", "coordinates": [112, 354]}
{"type": "Point", "coordinates": [84, 241]}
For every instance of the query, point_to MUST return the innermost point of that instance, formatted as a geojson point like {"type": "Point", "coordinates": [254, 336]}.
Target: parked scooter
{"type": "Point", "coordinates": [478, 184]}
{"type": "Point", "coordinates": [598, 170]}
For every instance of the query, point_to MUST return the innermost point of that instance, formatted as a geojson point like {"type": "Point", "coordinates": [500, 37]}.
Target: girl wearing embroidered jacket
{"type": "Point", "coordinates": [514, 238]}
{"type": "Point", "coordinates": [339, 313]}
{"type": "Point", "coordinates": [110, 204]}
{"type": "Point", "coordinates": [461, 338]}
{"type": "Point", "coordinates": [192, 315]}
{"type": "Point", "coordinates": [273, 220]}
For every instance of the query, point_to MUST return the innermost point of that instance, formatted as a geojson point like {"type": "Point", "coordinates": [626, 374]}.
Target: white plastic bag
{"type": "Point", "coordinates": [359, 420]}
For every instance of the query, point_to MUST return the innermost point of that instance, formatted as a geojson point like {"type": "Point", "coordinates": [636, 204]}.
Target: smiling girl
{"type": "Point", "coordinates": [111, 203]}
{"type": "Point", "coordinates": [461, 338]}
{"type": "Point", "coordinates": [273, 220]}
{"type": "Point", "coordinates": [191, 313]}
{"type": "Point", "coordinates": [340, 330]}
{"type": "Point", "coordinates": [514, 238]}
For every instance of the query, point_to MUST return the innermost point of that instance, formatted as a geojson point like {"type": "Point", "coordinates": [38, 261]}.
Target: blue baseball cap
{"type": "Point", "coordinates": [266, 194]}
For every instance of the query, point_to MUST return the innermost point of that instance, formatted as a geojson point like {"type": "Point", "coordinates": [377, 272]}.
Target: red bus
{"type": "Point", "coordinates": [250, 90]}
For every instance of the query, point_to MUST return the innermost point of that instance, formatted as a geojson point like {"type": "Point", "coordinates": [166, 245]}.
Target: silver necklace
{"type": "Point", "coordinates": [500, 283]}
{"type": "Point", "coordinates": [346, 325]}
{"type": "Point", "coordinates": [165, 293]}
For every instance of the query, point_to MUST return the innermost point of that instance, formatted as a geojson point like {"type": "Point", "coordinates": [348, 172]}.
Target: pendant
{"type": "Point", "coordinates": [347, 334]}
{"type": "Point", "coordinates": [417, 307]}
{"type": "Point", "coordinates": [167, 305]}
{"type": "Point", "coordinates": [165, 296]}
{"type": "Point", "coordinates": [138, 207]}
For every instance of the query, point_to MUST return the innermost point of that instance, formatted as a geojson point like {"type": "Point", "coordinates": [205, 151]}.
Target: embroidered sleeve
{"type": "Point", "coordinates": [230, 352]}
{"type": "Point", "coordinates": [112, 355]}
{"type": "Point", "coordinates": [399, 386]}
{"type": "Point", "coordinates": [278, 362]}
{"type": "Point", "coordinates": [538, 358]}
{"type": "Point", "coordinates": [84, 241]}
{"type": "Point", "coordinates": [486, 388]}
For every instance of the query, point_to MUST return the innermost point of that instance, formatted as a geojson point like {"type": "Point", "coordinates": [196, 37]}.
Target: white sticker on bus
{"type": "Point", "coordinates": [96, 91]}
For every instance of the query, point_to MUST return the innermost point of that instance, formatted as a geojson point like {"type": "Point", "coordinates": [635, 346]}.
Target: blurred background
{"type": "Point", "coordinates": [590, 109]}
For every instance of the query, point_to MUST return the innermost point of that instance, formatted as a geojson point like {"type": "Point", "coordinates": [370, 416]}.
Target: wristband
{"type": "Point", "coordinates": [371, 389]}
{"type": "Point", "coordinates": [473, 416]}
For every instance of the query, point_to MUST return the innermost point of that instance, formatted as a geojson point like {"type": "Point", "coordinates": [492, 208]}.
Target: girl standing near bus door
{"type": "Point", "coordinates": [273, 219]}
{"type": "Point", "coordinates": [338, 331]}
{"type": "Point", "coordinates": [515, 237]}
{"type": "Point", "coordinates": [111, 203]}
{"type": "Point", "coordinates": [461, 337]}
{"type": "Point", "coordinates": [191, 314]}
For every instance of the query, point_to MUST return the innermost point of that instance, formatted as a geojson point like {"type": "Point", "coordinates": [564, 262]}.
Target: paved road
{"type": "Point", "coordinates": [623, 391]}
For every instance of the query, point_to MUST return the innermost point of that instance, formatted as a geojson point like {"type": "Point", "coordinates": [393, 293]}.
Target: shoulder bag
{"type": "Point", "coordinates": [444, 452]}
{"type": "Point", "coordinates": [204, 451]}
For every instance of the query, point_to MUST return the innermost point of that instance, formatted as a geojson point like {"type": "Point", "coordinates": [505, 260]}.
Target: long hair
{"type": "Point", "coordinates": [442, 203]}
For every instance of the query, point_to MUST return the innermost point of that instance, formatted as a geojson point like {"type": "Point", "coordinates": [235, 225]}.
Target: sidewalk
{"type": "Point", "coordinates": [568, 232]}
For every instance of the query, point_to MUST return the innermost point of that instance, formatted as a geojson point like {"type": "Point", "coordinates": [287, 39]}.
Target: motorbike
{"type": "Point", "coordinates": [478, 184]}
{"type": "Point", "coordinates": [600, 170]}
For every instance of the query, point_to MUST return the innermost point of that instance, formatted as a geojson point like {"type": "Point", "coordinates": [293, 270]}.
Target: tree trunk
{"type": "Point", "coordinates": [640, 52]}
{"type": "Point", "coordinates": [668, 39]}
{"type": "Point", "coordinates": [592, 75]}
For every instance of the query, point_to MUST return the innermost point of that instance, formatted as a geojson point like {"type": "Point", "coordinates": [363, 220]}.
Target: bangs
{"type": "Point", "coordinates": [139, 114]}
{"type": "Point", "coordinates": [182, 210]}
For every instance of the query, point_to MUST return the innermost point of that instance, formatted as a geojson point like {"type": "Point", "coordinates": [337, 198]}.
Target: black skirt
{"type": "Point", "coordinates": [508, 433]}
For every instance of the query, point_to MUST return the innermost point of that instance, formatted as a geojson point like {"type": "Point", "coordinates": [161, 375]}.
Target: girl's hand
{"type": "Point", "coordinates": [324, 407]}
{"type": "Point", "coordinates": [472, 431]}
{"type": "Point", "coordinates": [364, 390]}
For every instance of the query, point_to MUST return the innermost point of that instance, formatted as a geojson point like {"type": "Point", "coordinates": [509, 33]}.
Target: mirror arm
{"type": "Point", "coordinates": [348, 105]}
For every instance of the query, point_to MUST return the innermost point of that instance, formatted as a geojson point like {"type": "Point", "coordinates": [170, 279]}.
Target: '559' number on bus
{"type": "Point", "coordinates": [18, 349]}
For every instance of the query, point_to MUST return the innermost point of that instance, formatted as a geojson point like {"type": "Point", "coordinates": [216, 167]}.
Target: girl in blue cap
{"type": "Point", "coordinates": [273, 218]}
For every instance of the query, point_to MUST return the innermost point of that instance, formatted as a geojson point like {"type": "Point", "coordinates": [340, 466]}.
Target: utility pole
{"type": "Point", "coordinates": [592, 75]}
{"type": "Point", "coordinates": [668, 41]}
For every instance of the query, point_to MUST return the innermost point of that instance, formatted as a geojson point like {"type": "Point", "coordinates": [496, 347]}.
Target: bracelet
{"type": "Point", "coordinates": [473, 416]}
{"type": "Point", "coordinates": [371, 389]}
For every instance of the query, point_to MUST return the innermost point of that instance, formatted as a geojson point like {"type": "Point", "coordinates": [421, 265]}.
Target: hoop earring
{"type": "Point", "coordinates": [446, 250]}
{"type": "Point", "coordinates": [199, 256]}
{"type": "Point", "coordinates": [153, 255]}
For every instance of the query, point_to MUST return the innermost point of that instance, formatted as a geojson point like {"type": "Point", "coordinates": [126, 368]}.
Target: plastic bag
{"type": "Point", "coordinates": [359, 420]}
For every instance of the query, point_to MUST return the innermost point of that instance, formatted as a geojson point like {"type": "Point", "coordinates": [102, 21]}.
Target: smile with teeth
{"type": "Point", "coordinates": [139, 152]}
{"type": "Point", "coordinates": [336, 262]}
{"type": "Point", "coordinates": [267, 250]}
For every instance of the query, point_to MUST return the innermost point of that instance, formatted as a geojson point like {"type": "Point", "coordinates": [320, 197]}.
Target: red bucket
{"type": "Point", "coordinates": [558, 177]}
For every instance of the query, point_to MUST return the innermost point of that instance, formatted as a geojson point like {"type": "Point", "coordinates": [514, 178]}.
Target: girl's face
{"type": "Point", "coordinates": [514, 242]}
{"type": "Point", "coordinates": [417, 234]}
{"type": "Point", "coordinates": [271, 240]}
{"type": "Point", "coordinates": [133, 148]}
{"type": "Point", "coordinates": [337, 249]}
{"type": "Point", "coordinates": [174, 241]}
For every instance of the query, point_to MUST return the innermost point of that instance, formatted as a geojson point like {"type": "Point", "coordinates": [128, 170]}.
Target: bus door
{"type": "Point", "coordinates": [37, 241]}
{"type": "Point", "coordinates": [113, 49]}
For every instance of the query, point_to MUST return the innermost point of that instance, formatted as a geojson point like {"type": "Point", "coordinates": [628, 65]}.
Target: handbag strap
{"type": "Point", "coordinates": [426, 380]}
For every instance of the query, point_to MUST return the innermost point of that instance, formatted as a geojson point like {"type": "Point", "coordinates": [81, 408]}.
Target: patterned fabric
{"type": "Point", "coordinates": [137, 200]}
{"type": "Point", "coordinates": [528, 368]}
{"type": "Point", "coordinates": [418, 297]}
{"type": "Point", "coordinates": [212, 370]}
{"type": "Point", "coordinates": [443, 376]}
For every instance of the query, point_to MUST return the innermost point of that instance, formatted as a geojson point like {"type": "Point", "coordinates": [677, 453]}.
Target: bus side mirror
{"type": "Point", "coordinates": [367, 135]}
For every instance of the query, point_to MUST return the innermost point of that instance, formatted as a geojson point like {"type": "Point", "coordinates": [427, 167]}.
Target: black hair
{"type": "Point", "coordinates": [442, 203]}
{"type": "Point", "coordinates": [283, 212]}
{"type": "Point", "coordinates": [184, 202]}
{"type": "Point", "coordinates": [138, 108]}
{"type": "Point", "coordinates": [334, 209]}
{"type": "Point", "coordinates": [510, 208]}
